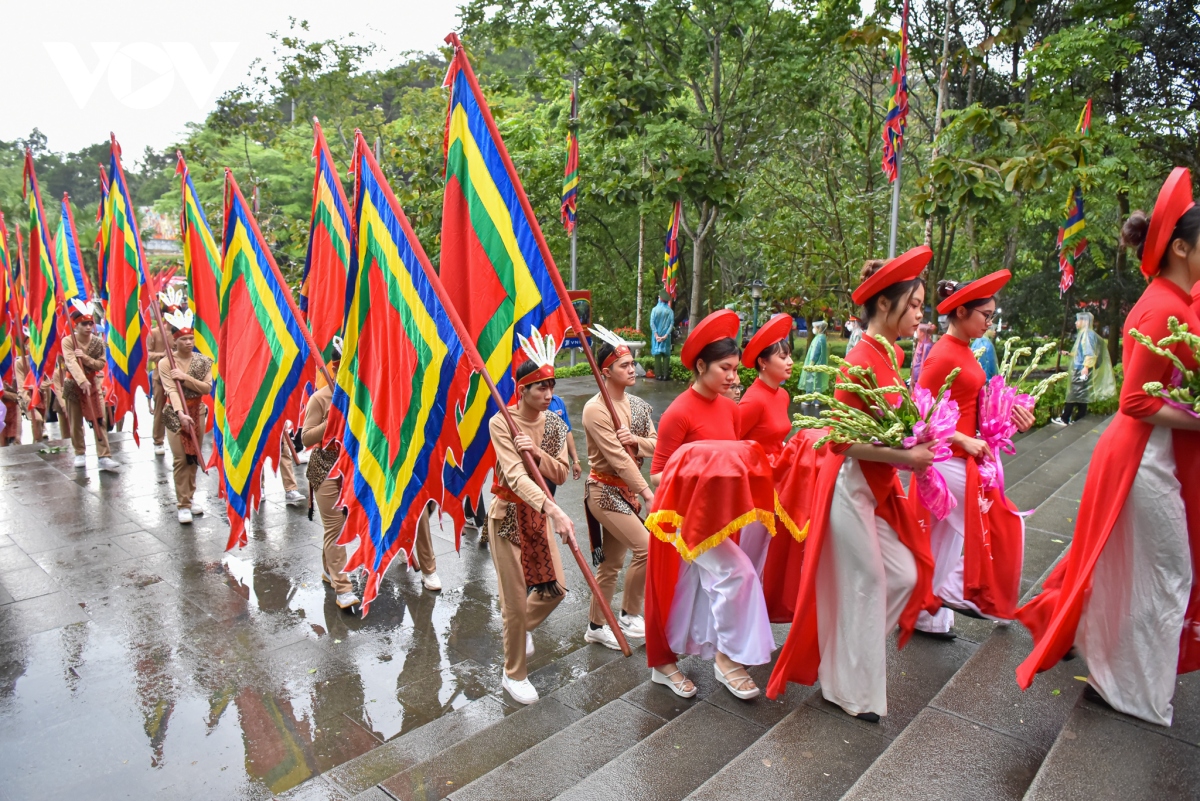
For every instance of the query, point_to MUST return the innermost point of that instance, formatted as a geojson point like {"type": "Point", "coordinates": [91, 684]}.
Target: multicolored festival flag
{"type": "Point", "coordinates": [495, 265]}
{"type": "Point", "coordinates": [201, 265]}
{"type": "Point", "coordinates": [896, 120]}
{"type": "Point", "coordinates": [323, 287]}
{"type": "Point", "coordinates": [102, 238]}
{"type": "Point", "coordinates": [262, 351]}
{"type": "Point", "coordinates": [9, 316]}
{"type": "Point", "coordinates": [73, 280]}
{"type": "Point", "coordinates": [402, 375]}
{"type": "Point", "coordinates": [571, 172]}
{"type": "Point", "coordinates": [40, 283]}
{"type": "Point", "coordinates": [1071, 243]}
{"type": "Point", "coordinates": [670, 276]}
{"type": "Point", "coordinates": [124, 267]}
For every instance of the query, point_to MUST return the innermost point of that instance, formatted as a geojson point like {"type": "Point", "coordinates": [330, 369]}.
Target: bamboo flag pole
{"type": "Point", "coordinates": [479, 366]}
{"type": "Point", "coordinates": [556, 278]}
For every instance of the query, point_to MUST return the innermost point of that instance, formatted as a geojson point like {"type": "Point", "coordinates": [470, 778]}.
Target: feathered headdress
{"type": "Point", "coordinates": [541, 351]}
{"type": "Point", "coordinates": [180, 321]}
{"type": "Point", "coordinates": [79, 309]}
{"type": "Point", "coordinates": [335, 346]}
{"type": "Point", "coordinates": [172, 298]}
{"type": "Point", "coordinates": [620, 346]}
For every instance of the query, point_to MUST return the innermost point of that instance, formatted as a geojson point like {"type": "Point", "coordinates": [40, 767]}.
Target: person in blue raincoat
{"type": "Point", "coordinates": [817, 354]}
{"type": "Point", "coordinates": [987, 359]}
{"type": "Point", "coordinates": [662, 320]}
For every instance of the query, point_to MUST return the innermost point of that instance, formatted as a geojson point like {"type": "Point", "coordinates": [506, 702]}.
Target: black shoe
{"type": "Point", "coordinates": [869, 717]}
{"type": "Point", "coordinates": [944, 636]}
{"type": "Point", "coordinates": [1091, 695]}
{"type": "Point", "coordinates": [1070, 654]}
{"type": "Point", "coordinates": [965, 610]}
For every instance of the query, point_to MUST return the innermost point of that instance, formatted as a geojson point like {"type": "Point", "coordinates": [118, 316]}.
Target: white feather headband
{"type": "Point", "coordinates": [172, 297]}
{"type": "Point", "coordinates": [541, 351]}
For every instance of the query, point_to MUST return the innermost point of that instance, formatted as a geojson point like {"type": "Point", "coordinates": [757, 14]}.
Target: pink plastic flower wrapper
{"type": "Point", "coordinates": [937, 425]}
{"type": "Point", "coordinates": [996, 402]}
{"type": "Point", "coordinates": [1176, 381]}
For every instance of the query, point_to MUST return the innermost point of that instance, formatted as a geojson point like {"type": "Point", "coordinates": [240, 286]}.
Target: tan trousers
{"type": "Point", "coordinates": [184, 473]}
{"type": "Point", "coordinates": [287, 467]}
{"type": "Point", "coordinates": [78, 427]}
{"type": "Point", "coordinates": [64, 416]}
{"type": "Point", "coordinates": [426, 559]}
{"type": "Point", "coordinates": [160, 403]}
{"type": "Point", "coordinates": [521, 611]}
{"type": "Point", "coordinates": [622, 533]}
{"type": "Point", "coordinates": [333, 556]}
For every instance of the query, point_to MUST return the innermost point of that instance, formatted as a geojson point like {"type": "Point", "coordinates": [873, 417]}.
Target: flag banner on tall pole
{"type": "Point", "coordinates": [896, 120]}
{"type": "Point", "coordinates": [571, 172]}
{"type": "Point", "coordinates": [201, 265]}
{"type": "Point", "coordinates": [1071, 243]}
{"type": "Point", "coordinates": [494, 264]}
{"type": "Point", "coordinates": [40, 284]}
{"type": "Point", "coordinates": [72, 278]}
{"type": "Point", "coordinates": [670, 276]}
{"type": "Point", "coordinates": [124, 269]}
{"type": "Point", "coordinates": [20, 284]}
{"type": "Point", "coordinates": [327, 263]}
{"type": "Point", "coordinates": [10, 317]}
{"type": "Point", "coordinates": [402, 376]}
{"type": "Point", "coordinates": [262, 351]}
{"type": "Point", "coordinates": [102, 238]}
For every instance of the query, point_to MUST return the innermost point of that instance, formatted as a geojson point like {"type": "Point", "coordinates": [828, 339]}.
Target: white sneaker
{"type": "Point", "coordinates": [602, 636]}
{"type": "Point", "coordinates": [159, 450]}
{"type": "Point", "coordinates": [633, 625]}
{"type": "Point", "coordinates": [521, 691]}
{"type": "Point", "coordinates": [185, 516]}
{"type": "Point", "coordinates": [302, 457]}
{"type": "Point", "coordinates": [294, 497]}
{"type": "Point", "coordinates": [80, 462]}
{"type": "Point", "coordinates": [432, 582]}
{"type": "Point", "coordinates": [347, 600]}
{"type": "Point", "coordinates": [197, 509]}
{"type": "Point", "coordinates": [325, 577]}
{"type": "Point", "coordinates": [528, 645]}
{"type": "Point", "coordinates": [108, 463]}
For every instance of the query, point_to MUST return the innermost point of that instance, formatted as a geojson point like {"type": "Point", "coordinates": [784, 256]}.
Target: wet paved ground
{"type": "Point", "coordinates": [139, 660]}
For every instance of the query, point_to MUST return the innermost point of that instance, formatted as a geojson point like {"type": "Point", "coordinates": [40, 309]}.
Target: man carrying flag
{"type": "Point", "coordinates": [83, 383]}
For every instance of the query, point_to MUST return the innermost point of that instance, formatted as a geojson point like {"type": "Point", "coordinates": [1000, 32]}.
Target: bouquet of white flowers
{"type": "Point", "coordinates": [1184, 392]}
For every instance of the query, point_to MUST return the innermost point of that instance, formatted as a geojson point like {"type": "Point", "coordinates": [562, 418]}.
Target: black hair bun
{"type": "Point", "coordinates": [947, 288]}
{"type": "Point", "coordinates": [870, 267]}
{"type": "Point", "coordinates": [1133, 233]}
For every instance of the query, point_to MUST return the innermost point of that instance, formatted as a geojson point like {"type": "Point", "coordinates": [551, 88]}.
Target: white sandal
{"type": "Point", "coordinates": [745, 695]}
{"type": "Point", "coordinates": [668, 680]}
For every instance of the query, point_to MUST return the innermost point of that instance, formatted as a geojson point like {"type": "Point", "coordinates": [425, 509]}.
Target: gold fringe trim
{"type": "Point", "coordinates": [671, 518]}
{"type": "Point", "coordinates": [797, 533]}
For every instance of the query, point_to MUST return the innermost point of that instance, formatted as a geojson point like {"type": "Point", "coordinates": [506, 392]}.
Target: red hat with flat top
{"type": "Point", "coordinates": [774, 330]}
{"type": "Point", "coordinates": [904, 267]}
{"type": "Point", "coordinates": [978, 289]}
{"type": "Point", "coordinates": [1174, 200]}
{"type": "Point", "coordinates": [721, 324]}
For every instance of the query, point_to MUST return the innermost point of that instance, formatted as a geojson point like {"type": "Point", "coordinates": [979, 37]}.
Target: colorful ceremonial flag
{"type": "Point", "coordinates": [124, 268]}
{"type": "Point", "coordinates": [19, 284]}
{"type": "Point", "coordinates": [323, 287]}
{"type": "Point", "coordinates": [102, 238]}
{"type": "Point", "coordinates": [262, 352]}
{"type": "Point", "coordinates": [9, 318]}
{"type": "Point", "coordinates": [495, 266]}
{"type": "Point", "coordinates": [571, 172]}
{"type": "Point", "coordinates": [1071, 243]}
{"type": "Point", "coordinates": [670, 276]}
{"type": "Point", "coordinates": [402, 375]}
{"type": "Point", "coordinates": [201, 265]}
{"type": "Point", "coordinates": [896, 120]}
{"type": "Point", "coordinates": [72, 278]}
{"type": "Point", "coordinates": [41, 282]}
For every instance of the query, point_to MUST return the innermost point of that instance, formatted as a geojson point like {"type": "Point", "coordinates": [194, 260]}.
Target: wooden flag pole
{"type": "Point", "coordinates": [479, 366]}
{"type": "Point", "coordinates": [162, 330]}
{"type": "Point", "coordinates": [559, 288]}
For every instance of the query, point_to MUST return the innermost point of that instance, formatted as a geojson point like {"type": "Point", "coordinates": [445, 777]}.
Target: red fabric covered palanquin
{"type": "Point", "coordinates": [709, 491]}
{"type": "Point", "coordinates": [800, 656]}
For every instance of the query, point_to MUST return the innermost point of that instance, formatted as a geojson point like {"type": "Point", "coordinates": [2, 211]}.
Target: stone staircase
{"type": "Point", "coordinates": [958, 726]}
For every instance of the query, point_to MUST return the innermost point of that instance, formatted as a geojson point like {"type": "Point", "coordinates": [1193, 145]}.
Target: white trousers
{"type": "Point", "coordinates": [755, 541]}
{"type": "Point", "coordinates": [719, 606]}
{"type": "Point", "coordinates": [1133, 616]}
{"type": "Point", "coordinates": [865, 577]}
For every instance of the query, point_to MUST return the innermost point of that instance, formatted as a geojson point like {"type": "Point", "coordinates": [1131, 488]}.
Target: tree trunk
{"type": "Point", "coordinates": [1010, 244]}
{"type": "Point", "coordinates": [1114, 300]}
{"type": "Point", "coordinates": [637, 319]}
{"type": "Point", "coordinates": [941, 104]}
{"type": "Point", "coordinates": [695, 316]}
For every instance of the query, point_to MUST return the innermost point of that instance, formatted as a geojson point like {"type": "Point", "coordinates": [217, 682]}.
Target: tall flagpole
{"type": "Point", "coordinates": [575, 227]}
{"type": "Point", "coordinates": [895, 202]}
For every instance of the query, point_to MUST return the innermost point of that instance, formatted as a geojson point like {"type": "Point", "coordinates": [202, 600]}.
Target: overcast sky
{"type": "Point", "coordinates": [144, 70]}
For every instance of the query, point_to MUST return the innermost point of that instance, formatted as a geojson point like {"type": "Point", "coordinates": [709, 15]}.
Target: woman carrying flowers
{"type": "Point", "coordinates": [867, 566]}
{"type": "Point", "coordinates": [1124, 593]}
{"type": "Point", "coordinates": [993, 530]}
